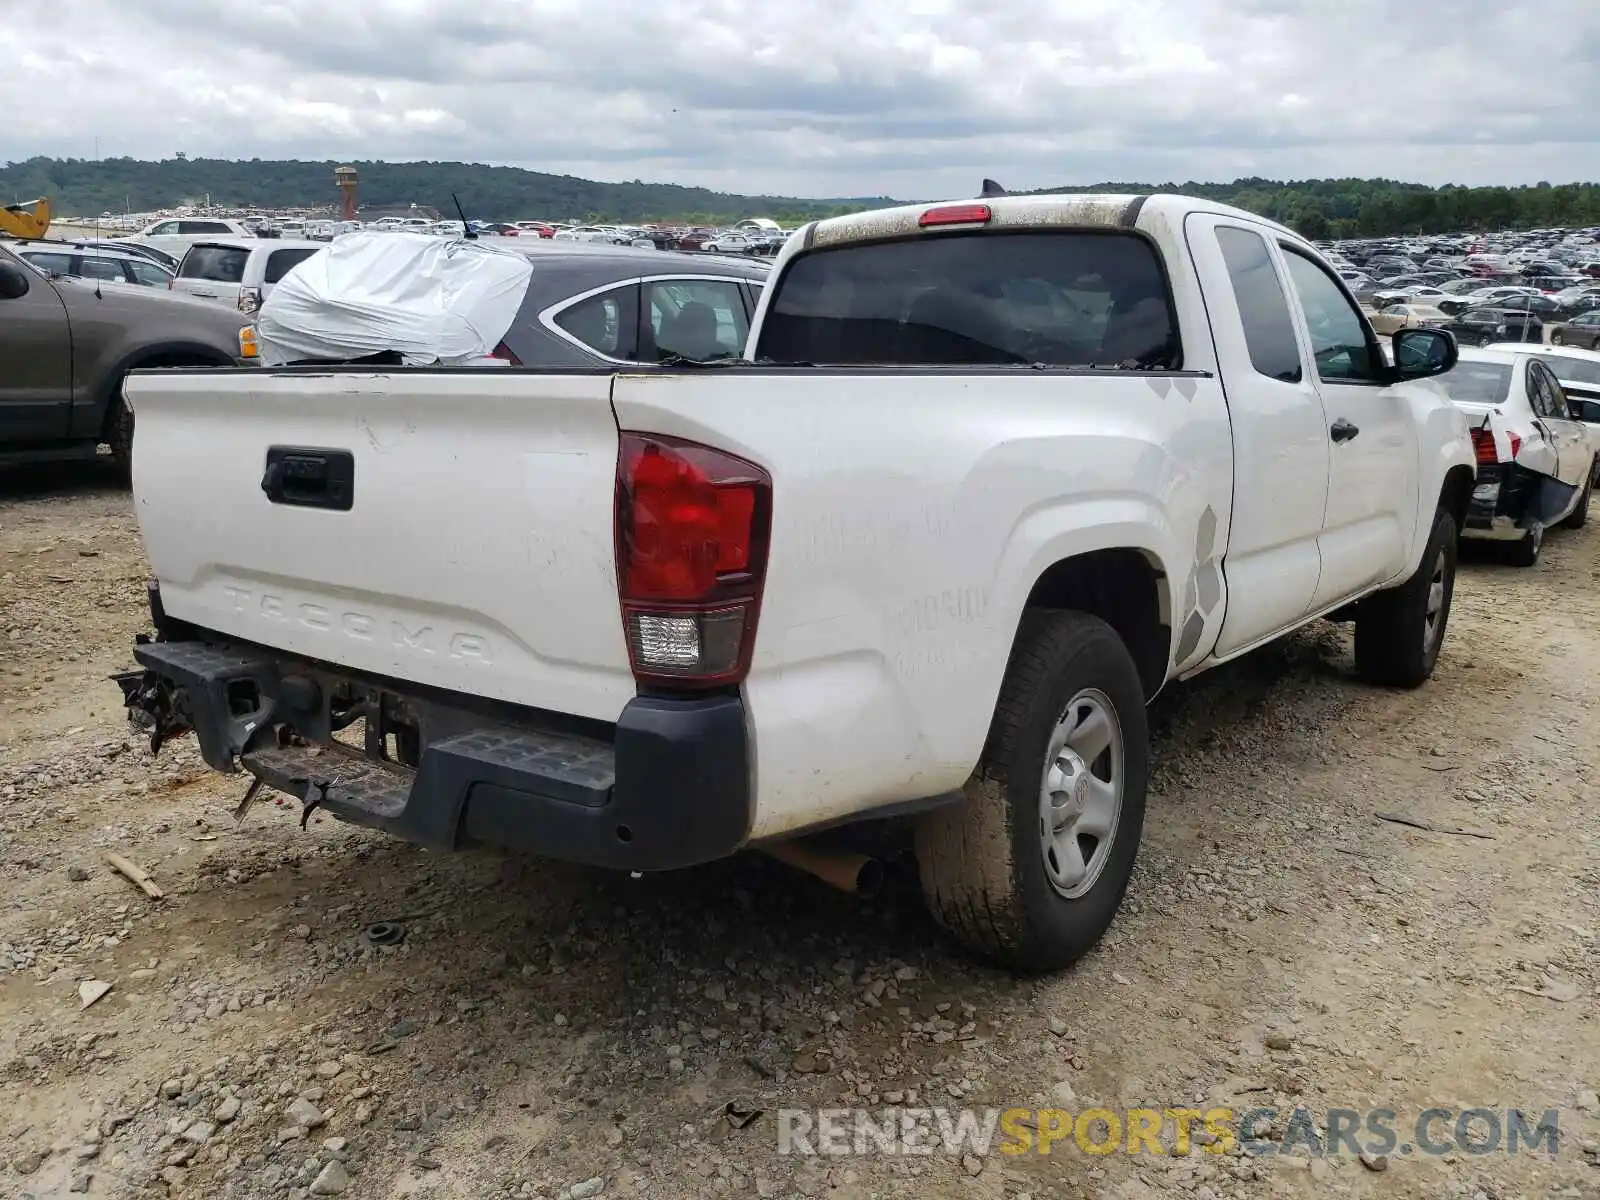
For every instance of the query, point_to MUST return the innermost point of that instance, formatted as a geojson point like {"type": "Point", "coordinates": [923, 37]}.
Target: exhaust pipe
{"type": "Point", "coordinates": [854, 873]}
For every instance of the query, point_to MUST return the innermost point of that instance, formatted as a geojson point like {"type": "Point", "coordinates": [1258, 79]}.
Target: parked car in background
{"type": "Point", "coordinates": [728, 243]}
{"type": "Point", "coordinates": [66, 346]}
{"type": "Point", "coordinates": [1536, 457]}
{"type": "Point", "coordinates": [1578, 372]}
{"type": "Point", "coordinates": [175, 236]}
{"type": "Point", "coordinates": [104, 266]}
{"type": "Point", "coordinates": [239, 272]}
{"type": "Point", "coordinates": [622, 305]}
{"type": "Point", "coordinates": [604, 234]}
{"type": "Point", "coordinates": [1582, 330]}
{"type": "Point", "coordinates": [1480, 326]}
{"type": "Point", "coordinates": [126, 246]}
{"type": "Point", "coordinates": [1408, 316]}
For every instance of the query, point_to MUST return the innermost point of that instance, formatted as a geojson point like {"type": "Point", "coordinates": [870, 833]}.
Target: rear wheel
{"type": "Point", "coordinates": [1029, 868]}
{"type": "Point", "coordinates": [1399, 632]}
{"type": "Point", "coordinates": [119, 434]}
{"type": "Point", "coordinates": [1525, 553]}
{"type": "Point", "coordinates": [1557, 338]}
{"type": "Point", "coordinates": [1576, 518]}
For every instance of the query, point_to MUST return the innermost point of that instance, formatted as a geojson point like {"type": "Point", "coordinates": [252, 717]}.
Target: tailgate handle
{"type": "Point", "coordinates": [310, 478]}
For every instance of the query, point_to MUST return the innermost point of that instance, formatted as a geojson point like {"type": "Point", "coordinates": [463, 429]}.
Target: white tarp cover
{"type": "Point", "coordinates": [428, 298]}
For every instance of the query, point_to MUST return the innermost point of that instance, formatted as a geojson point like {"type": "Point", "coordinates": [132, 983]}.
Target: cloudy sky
{"type": "Point", "coordinates": [912, 98]}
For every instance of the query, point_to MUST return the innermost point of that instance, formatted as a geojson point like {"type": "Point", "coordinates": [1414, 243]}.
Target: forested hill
{"type": "Point", "coordinates": [1318, 208]}
{"type": "Point", "coordinates": [88, 187]}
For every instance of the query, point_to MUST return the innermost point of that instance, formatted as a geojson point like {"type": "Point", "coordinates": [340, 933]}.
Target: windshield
{"type": "Point", "coordinates": [1070, 298]}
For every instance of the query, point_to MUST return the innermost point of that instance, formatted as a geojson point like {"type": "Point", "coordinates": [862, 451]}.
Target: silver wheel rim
{"type": "Point", "coordinates": [1080, 794]}
{"type": "Point", "coordinates": [1433, 618]}
{"type": "Point", "coordinates": [1535, 538]}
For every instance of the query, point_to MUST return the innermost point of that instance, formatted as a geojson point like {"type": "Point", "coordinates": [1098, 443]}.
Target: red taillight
{"type": "Point", "coordinates": [503, 352]}
{"type": "Point", "coordinates": [1483, 446]}
{"type": "Point", "coordinates": [691, 544]}
{"type": "Point", "coordinates": [955, 214]}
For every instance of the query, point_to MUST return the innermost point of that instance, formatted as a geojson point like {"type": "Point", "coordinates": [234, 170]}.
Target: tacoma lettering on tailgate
{"type": "Point", "coordinates": [422, 638]}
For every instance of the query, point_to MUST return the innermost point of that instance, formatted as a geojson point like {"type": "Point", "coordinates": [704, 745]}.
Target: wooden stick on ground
{"type": "Point", "coordinates": [1456, 830]}
{"type": "Point", "coordinates": [135, 874]}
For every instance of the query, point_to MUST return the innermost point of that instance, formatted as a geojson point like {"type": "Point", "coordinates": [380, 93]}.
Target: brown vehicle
{"type": "Point", "coordinates": [66, 345]}
{"type": "Point", "coordinates": [1582, 331]}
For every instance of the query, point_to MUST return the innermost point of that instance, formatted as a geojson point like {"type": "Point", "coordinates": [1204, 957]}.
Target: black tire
{"type": "Point", "coordinates": [1397, 638]}
{"type": "Point", "coordinates": [119, 434]}
{"type": "Point", "coordinates": [983, 860]}
{"type": "Point", "coordinates": [1578, 516]}
{"type": "Point", "coordinates": [1525, 552]}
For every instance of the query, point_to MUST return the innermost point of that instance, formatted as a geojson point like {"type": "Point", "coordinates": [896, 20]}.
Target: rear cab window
{"type": "Point", "coordinates": [1069, 298]}
{"type": "Point", "coordinates": [220, 264]}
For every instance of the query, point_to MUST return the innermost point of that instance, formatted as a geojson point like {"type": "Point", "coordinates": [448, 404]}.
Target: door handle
{"type": "Point", "coordinates": [1342, 431]}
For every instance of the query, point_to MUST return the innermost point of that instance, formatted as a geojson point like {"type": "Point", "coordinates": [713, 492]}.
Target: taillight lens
{"type": "Point", "coordinates": [691, 540]}
{"type": "Point", "coordinates": [1483, 446]}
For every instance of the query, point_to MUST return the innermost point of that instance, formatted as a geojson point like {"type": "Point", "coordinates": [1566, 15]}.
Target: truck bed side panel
{"type": "Point", "coordinates": [912, 514]}
{"type": "Point", "coordinates": [477, 555]}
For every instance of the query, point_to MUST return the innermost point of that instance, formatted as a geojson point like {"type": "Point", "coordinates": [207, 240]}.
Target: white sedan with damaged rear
{"type": "Point", "coordinates": [989, 476]}
{"type": "Point", "coordinates": [1537, 458]}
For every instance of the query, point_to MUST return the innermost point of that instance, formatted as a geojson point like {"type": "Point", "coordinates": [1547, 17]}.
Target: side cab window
{"type": "Point", "coordinates": [1342, 344]}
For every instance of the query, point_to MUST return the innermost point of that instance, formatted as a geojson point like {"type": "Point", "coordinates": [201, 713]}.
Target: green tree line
{"type": "Point", "coordinates": [1319, 208]}
{"type": "Point", "coordinates": [88, 187]}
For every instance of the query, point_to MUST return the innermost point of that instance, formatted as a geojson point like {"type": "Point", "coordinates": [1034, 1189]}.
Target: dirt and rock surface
{"type": "Point", "coordinates": [545, 1030]}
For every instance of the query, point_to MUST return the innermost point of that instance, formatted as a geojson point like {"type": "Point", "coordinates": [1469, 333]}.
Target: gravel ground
{"type": "Point", "coordinates": [546, 1030]}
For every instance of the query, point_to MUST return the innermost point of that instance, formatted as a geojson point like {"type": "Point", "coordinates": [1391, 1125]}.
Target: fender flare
{"type": "Point", "coordinates": [107, 393]}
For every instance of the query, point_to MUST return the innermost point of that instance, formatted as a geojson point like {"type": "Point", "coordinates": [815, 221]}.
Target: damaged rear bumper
{"type": "Point", "coordinates": [669, 785]}
{"type": "Point", "coordinates": [1508, 500]}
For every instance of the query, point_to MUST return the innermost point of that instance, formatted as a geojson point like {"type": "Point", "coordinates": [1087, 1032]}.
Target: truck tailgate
{"type": "Point", "coordinates": [476, 550]}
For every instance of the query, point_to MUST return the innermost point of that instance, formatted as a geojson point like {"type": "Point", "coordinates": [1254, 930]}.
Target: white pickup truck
{"type": "Point", "coordinates": [993, 473]}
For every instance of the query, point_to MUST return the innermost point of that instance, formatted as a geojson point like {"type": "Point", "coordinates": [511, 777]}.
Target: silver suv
{"type": "Point", "coordinates": [240, 272]}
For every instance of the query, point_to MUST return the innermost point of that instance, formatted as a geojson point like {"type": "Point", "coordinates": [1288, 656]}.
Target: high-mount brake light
{"type": "Point", "coordinates": [956, 214]}
{"type": "Point", "coordinates": [692, 525]}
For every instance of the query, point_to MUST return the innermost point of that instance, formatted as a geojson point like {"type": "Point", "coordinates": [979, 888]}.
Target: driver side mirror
{"type": "Point", "coordinates": [1424, 353]}
{"type": "Point", "coordinates": [13, 281]}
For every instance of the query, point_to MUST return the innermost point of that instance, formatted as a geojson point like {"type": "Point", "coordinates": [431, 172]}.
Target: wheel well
{"type": "Point", "coordinates": [155, 358]}
{"type": "Point", "coordinates": [1457, 494]}
{"type": "Point", "coordinates": [1124, 590]}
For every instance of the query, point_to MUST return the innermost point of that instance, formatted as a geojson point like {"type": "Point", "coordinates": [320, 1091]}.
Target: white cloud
{"type": "Point", "coordinates": [823, 97]}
